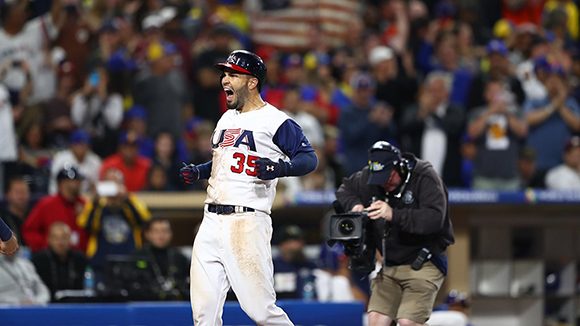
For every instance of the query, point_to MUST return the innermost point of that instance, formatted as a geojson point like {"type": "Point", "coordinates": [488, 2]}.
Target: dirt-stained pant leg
{"type": "Point", "coordinates": [248, 264]}
{"type": "Point", "coordinates": [209, 284]}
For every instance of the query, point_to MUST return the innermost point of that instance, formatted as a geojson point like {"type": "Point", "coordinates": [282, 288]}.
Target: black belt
{"type": "Point", "coordinates": [228, 209]}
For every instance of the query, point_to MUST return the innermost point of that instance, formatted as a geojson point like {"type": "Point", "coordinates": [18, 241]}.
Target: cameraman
{"type": "Point", "coordinates": [406, 202]}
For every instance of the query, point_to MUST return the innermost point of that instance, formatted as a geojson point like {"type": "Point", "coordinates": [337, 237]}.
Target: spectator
{"type": "Point", "coordinates": [171, 267]}
{"type": "Point", "coordinates": [560, 17]}
{"type": "Point", "coordinates": [445, 57]}
{"type": "Point", "coordinates": [318, 97]}
{"type": "Point", "coordinates": [19, 282]}
{"type": "Point", "coordinates": [74, 39]}
{"type": "Point", "coordinates": [157, 180]}
{"type": "Point", "coordinates": [136, 122]}
{"type": "Point", "coordinates": [198, 140]}
{"type": "Point", "coordinates": [274, 88]}
{"type": "Point", "coordinates": [17, 98]}
{"type": "Point", "coordinates": [522, 39]}
{"type": "Point", "coordinates": [553, 119]}
{"type": "Point", "coordinates": [59, 266]}
{"type": "Point", "coordinates": [80, 156]}
{"type": "Point", "coordinates": [133, 166]}
{"type": "Point", "coordinates": [433, 128]}
{"type": "Point", "coordinates": [162, 90]}
{"type": "Point", "coordinates": [497, 129]}
{"type": "Point", "coordinates": [167, 156]}
{"type": "Point", "coordinates": [566, 176]}
{"type": "Point", "coordinates": [293, 271]}
{"type": "Point", "coordinates": [102, 10]}
{"type": "Point", "coordinates": [56, 111]}
{"type": "Point", "coordinates": [121, 61]}
{"type": "Point", "coordinates": [293, 72]}
{"type": "Point", "coordinates": [63, 206]}
{"type": "Point", "coordinates": [113, 221]}
{"type": "Point", "coordinates": [363, 123]}
{"type": "Point", "coordinates": [530, 176]}
{"type": "Point", "coordinates": [394, 85]}
{"type": "Point", "coordinates": [531, 72]}
{"type": "Point", "coordinates": [34, 148]}
{"type": "Point", "coordinates": [24, 43]}
{"type": "Point", "coordinates": [500, 69]}
{"type": "Point", "coordinates": [110, 50]}
{"type": "Point", "coordinates": [16, 206]}
{"type": "Point", "coordinates": [98, 111]}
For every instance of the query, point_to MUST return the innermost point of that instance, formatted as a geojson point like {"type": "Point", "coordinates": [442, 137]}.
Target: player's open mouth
{"type": "Point", "coordinates": [229, 93]}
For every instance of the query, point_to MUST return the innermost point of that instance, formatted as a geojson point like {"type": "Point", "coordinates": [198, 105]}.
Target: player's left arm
{"type": "Point", "coordinates": [292, 142]}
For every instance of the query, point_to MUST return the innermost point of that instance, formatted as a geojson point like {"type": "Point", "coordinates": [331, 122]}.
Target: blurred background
{"type": "Point", "coordinates": [101, 101]}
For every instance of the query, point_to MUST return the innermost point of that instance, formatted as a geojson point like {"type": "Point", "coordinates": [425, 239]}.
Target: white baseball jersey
{"type": "Point", "coordinates": [28, 45]}
{"type": "Point", "coordinates": [238, 141]}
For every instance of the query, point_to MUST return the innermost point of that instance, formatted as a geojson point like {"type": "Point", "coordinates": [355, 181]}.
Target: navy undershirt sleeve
{"type": "Point", "coordinates": [292, 142]}
{"type": "Point", "coordinates": [5, 232]}
{"type": "Point", "coordinates": [204, 170]}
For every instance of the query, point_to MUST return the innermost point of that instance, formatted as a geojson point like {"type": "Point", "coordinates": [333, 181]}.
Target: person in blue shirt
{"type": "Point", "coordinates": [553, 119]}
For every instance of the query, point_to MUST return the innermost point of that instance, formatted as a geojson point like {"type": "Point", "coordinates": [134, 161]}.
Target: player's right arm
{"type": "Point", "coordinates": [191, 172]}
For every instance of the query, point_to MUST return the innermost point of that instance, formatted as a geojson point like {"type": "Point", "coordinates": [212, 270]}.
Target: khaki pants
{"type": "Point", "coordinates": [401, 292]}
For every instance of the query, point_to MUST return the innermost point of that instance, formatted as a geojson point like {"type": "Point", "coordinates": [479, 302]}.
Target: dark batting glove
{"type": "Point", "coordinates": [268, 169]}
{"type": "Point", "coordinates": [189, 173]}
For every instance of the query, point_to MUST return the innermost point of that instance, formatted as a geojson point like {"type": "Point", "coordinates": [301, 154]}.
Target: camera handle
{"type": "Point", "coordinates": [386, 233]}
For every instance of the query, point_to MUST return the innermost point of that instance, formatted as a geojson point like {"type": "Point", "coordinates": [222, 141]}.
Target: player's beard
{"type": "Point", "coordinates": [241, 95]}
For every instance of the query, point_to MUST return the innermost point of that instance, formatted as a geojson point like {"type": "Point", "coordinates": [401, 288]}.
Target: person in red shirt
{"type": "Point", "coordinates": [64, 207]}
{"type": "Point", "coordinates": [134, 167]}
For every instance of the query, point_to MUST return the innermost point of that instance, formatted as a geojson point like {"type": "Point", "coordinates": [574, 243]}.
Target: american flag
{"type": "Point", "coordinates": [291, 23]}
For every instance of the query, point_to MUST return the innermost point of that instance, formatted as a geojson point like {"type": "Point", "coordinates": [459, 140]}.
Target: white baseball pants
{"type": "Point", "coordinates": [234, 250]}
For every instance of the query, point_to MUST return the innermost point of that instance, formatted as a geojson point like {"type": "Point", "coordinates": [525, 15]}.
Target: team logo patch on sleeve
{"type": "Point", "coordinates": [408, 197]}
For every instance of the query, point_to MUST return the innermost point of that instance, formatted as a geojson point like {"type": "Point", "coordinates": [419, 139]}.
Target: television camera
{"type": "Point", "coordinates": [350, 229]}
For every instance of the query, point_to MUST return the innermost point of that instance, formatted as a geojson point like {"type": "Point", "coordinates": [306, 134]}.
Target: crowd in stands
{"type": "Point", "coordinates": [102, 99]}
{"type": "Point", "coordinates": [131, 85]}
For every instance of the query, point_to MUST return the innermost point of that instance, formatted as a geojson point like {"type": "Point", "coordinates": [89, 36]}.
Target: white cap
{"type": "Point", "coordinates": [379, 54]}
{"type": "Point", "coordinates": [167, 14]}
{"type": "Point", "coordinates": [152, 21]}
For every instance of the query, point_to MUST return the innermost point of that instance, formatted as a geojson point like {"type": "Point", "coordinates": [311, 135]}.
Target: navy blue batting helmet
{"type": "Point", "coordinates": [245, 62]}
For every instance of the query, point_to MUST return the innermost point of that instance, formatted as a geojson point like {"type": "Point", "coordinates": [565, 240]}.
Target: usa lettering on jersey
{"type": "Point", "coordinates": [235, 138]}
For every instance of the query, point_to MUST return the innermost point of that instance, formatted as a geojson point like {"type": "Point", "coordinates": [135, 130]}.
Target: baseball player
{"type": "Point", "coordinates": [252, 145]}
